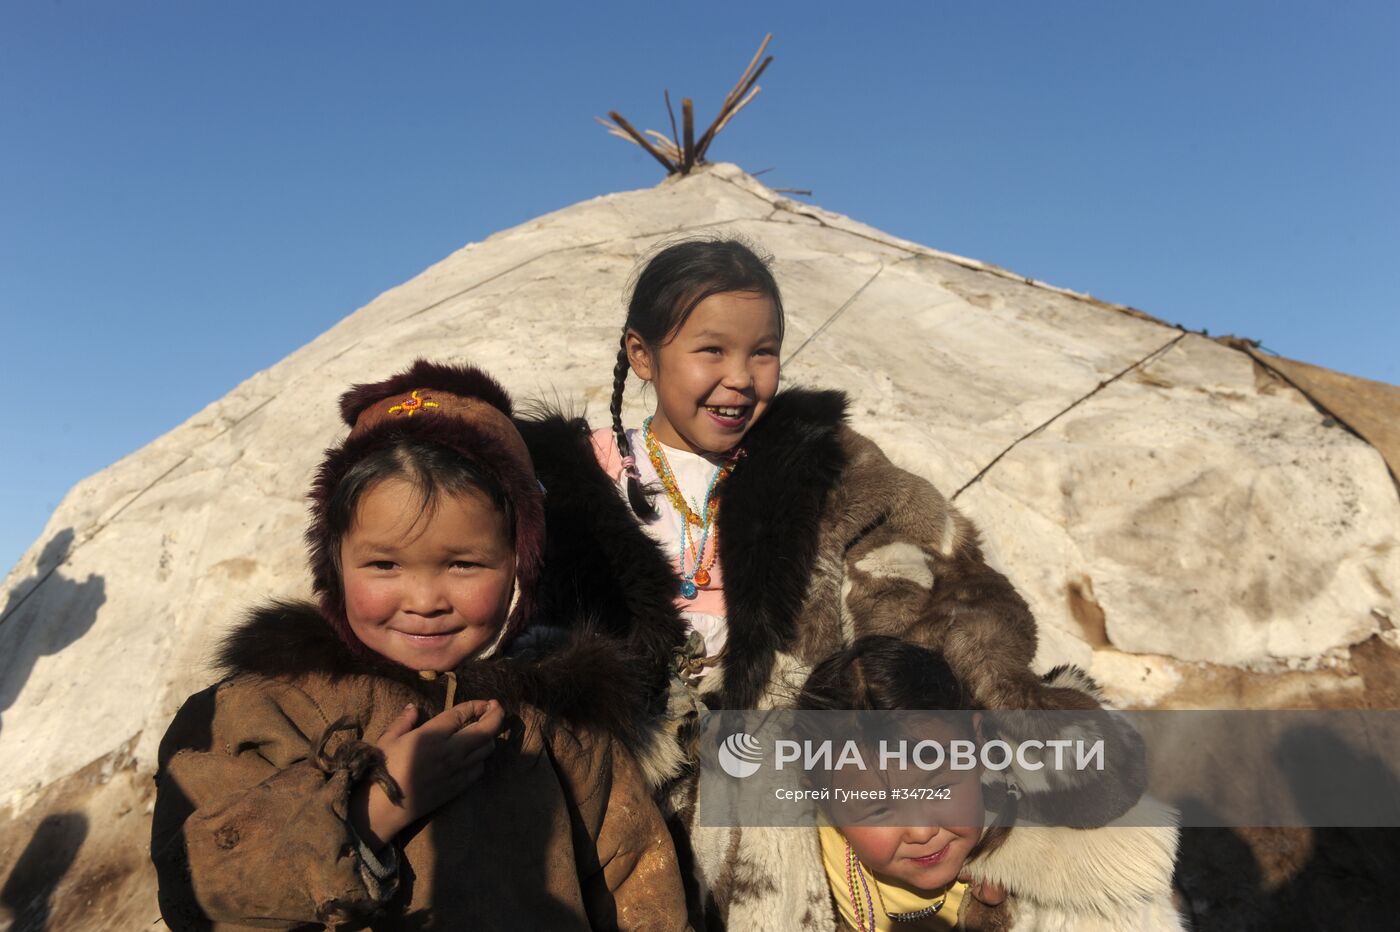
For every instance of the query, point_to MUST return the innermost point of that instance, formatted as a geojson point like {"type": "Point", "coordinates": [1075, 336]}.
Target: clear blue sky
{"type": "Point", "coordinates": [191, 190]}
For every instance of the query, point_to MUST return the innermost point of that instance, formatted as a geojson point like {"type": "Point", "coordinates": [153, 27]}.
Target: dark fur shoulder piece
{"type": "Point", "coordinates": [459, 380]}
{"type": "Point", "coordinates": [582, 679]}
{"type": "Point", "coordinates": [599, 563]}
{"type": "Point", "coordinates": [285, 638]}
{"type": "Point", "coordinates": [769, 520]}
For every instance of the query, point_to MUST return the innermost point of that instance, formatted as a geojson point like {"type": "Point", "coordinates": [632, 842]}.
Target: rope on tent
{"type": "Point", "coordinates": [1158, 352]}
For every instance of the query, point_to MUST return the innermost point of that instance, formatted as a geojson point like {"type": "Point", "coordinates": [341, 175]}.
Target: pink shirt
{"type": "Point", "coordinates": [706, 612]}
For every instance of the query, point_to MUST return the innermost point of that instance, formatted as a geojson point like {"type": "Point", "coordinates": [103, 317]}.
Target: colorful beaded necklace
{"type": "Point", "coordinates": [864, 911]}
{"type": "Point", "coordinates": [704, 554]}
{"type": "Point", "coordinates": [862, 908]}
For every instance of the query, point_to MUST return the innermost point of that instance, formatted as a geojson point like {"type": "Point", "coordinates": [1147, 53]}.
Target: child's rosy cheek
{"type": "Point", "coordinates": [492, 602]}
{"type": "Point", "coordinates": [365, 599]}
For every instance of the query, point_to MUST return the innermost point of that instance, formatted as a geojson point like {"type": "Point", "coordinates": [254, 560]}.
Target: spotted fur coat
{"type": "Point", "coordinates": [821, 540]}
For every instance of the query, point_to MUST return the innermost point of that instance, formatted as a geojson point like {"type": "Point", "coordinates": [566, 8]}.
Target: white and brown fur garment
{"type": "Point", "coordinates": [821, 540]}
{"type": "Point", "coordinates": [1110, 879]}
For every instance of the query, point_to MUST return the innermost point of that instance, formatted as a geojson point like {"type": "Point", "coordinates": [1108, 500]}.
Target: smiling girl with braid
{"type": "Point", "coordinates": [747, 533]}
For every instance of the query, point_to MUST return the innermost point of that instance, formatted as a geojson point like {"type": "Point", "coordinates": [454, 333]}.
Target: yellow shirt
{"type": "Point", "coordinates": [888, 896]}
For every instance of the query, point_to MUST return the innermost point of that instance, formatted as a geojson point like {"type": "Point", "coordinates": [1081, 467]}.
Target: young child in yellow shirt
{"type": "Point", "coordinates": [897, 864]}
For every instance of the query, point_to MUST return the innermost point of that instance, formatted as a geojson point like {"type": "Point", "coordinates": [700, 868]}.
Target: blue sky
{"type": "Point", "coordinates": [191, 190]}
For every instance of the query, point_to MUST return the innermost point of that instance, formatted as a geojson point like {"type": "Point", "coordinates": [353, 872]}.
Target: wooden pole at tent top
{"type": "Point", "coordinates": [678, 154]}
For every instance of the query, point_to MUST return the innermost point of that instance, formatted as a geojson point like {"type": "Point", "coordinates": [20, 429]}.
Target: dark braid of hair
{"type": "Point", "coordinates": [636, 495]}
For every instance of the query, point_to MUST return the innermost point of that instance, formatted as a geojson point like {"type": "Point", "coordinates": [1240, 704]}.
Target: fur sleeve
{"type": "Point", "coordinates": [914, 569]}
{"type": "Point", "coordinates": [1099, 879]}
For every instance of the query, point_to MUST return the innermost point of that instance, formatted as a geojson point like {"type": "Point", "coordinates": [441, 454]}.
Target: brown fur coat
{"type": "Point", "coordinates": [821, 540]}
{"type": "Point", "coordinates": [560, 832]}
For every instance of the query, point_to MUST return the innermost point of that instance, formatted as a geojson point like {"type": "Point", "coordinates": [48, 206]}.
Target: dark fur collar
{"type": "Point", "coordinates": [769, 521]}
{"type": "Point", "coordinates": [575, 677]}
{"type": "Point", "coordinates": [601, 563]}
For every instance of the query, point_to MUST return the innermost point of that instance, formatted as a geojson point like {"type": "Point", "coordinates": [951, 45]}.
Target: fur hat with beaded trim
{"type": "Point", "coordinates": [457, 407]}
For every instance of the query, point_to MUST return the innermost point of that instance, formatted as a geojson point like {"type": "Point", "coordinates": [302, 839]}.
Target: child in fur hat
{"type": "Point", "coordinates": [334, 777]}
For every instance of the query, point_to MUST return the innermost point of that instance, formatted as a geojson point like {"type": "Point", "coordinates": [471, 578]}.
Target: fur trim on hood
{"type": "Point", "coordinates": [572, 676]}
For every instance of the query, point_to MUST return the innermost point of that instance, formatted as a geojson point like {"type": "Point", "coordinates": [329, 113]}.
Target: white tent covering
{"type": "Point", "coordinates": [1185, 524]}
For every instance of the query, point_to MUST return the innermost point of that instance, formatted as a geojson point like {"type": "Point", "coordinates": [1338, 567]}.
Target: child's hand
{"type": "Point", "coordinates": [432, 763]}
{"type": "Point", "coordinates": [985, 892]}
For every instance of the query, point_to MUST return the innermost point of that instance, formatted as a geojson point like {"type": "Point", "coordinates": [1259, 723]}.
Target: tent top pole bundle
{"type": "Point", "coordinates": [680, 152]}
